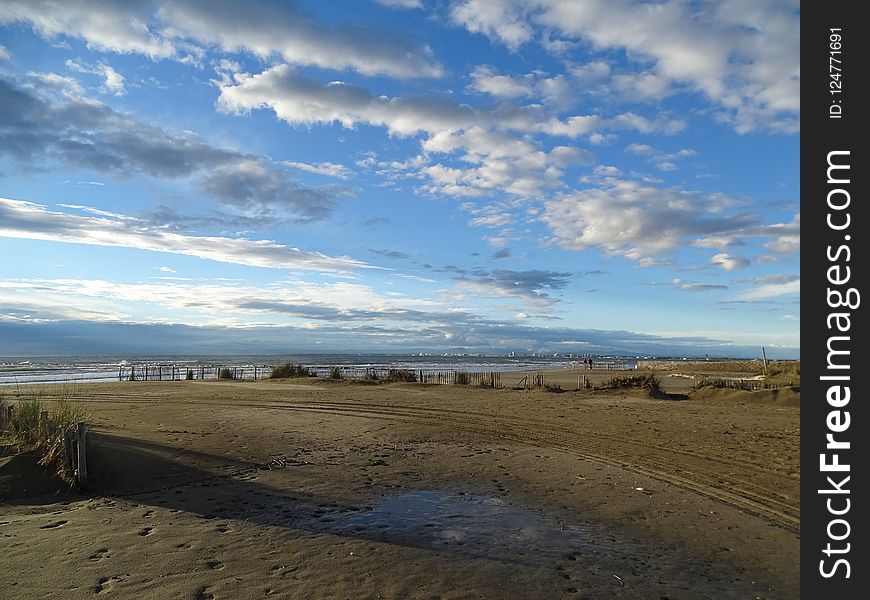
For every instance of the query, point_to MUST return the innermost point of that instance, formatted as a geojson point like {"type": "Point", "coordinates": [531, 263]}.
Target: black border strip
{"type": "Point", "coordinates": [833, 120]}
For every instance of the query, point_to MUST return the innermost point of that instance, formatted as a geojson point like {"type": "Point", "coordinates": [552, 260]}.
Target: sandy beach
{"type": "Point", "coordinates": [308, 488]}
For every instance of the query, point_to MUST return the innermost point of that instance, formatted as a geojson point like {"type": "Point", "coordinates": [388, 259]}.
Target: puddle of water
{"type": "Point", "coordinates": [488, 524]}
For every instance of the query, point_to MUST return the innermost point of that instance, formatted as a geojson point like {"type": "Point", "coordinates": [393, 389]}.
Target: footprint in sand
{"type": "Point", "coordinates": [222, 528]}
{"type": "Point", "coordinates": [105, 585]}
{"type": "Point", "coordinates": [54, 525]}
{"type": "Point", "coordinates": [148, 514]}
{"type": "Point", "coordinates": [204, 593]}
{"type": "Point", "coordinates": [146, 531]}
{"type": "Point", "coordinates": [99, 555]}
{"type": "Point", "coordinates": [214, 565]}
{"type": "Point", "coordinates": [183, 546]}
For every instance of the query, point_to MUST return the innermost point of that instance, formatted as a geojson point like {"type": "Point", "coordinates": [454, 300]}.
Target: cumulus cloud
{"type": "Point", "coordinates": [744, 57]}
{"type": "Point", "coordinates": [4, 53]}
{"type": "Point", "coordinates": [497, 19]}
{"type": "Point", "coordinates": [728, 262]}
{"type": "Point", "coordinates": [105, 26]}
{"type": "Point", "coordinates": [171, 29]}
{"type": "Point", "coordinates": [302, 100]}
{"type": "Point", "coordinates": [484, 79]}
{"type": "Point", "coordinates": [497, 147]}
{"type": "Point", "coordinates": [26, 220]}
{"type": "Point", "coordinates": [59, 124]}
{"type": "Point", "coordinates": [640, 221]}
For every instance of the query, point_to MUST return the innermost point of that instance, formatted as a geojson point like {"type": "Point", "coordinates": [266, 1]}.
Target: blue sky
{"type": "Point", "coordinates": [400, 175]}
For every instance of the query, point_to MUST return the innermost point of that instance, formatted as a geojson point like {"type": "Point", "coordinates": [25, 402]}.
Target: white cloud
{"type": "Point", "coordinates": [113, 81]}
{"type": "Point", "coordinates": [496, 19]}
{"type": "Point", "coordinates": [163, 29]}
{"type": "Point", "coordinates": [694, 286]}
{"type": "Point", "coordinates": [485, 80]}
{"type": "Point", "coordinates": [109, 27]}
{"type": "Point", "coordinates": [4, 53]}
{"type": "Point", "coordinates": [772, 290]}
{"type": "Point", "coordinates": [639, 221]}
{"type": "Point", "coordinates": [728, 262]}
{"type": "Point", "coordinates": [329, 169]}
{"type": "Point", "coordinates": [300, 100]}
{"type": "Point", "coordinates": [25, 220]}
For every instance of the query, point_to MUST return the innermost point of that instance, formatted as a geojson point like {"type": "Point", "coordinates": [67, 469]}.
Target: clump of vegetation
{"type": "Point", "coordinates": [335, 373]}
{"type": "Point", "coordinates": [405, 375]}
{"type": "Point", "coordinates": [189, 375]}
{"type": "Point", "coordinates": [226, 373]}
{"type": "Point", "coordinates": [289, 369]}
{"type": "Point", "coordinates": [38, 424]}
{"type": "Point", "coordinates": [24, 427]}
{"type": "Point", "coordinates": [644, 382]}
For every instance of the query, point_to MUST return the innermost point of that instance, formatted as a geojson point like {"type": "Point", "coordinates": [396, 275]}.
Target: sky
{"type": "Point", "coordinates": [495, 176]}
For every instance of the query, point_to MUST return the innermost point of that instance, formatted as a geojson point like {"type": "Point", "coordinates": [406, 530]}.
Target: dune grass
{"type": "Point", "coordinates": [289, 369]}
{"type": "Point", "coordinates": [29, 431]}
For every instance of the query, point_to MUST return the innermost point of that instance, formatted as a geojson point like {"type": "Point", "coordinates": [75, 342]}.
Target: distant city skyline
{"type": "Point", "coordinates": [399, 176]}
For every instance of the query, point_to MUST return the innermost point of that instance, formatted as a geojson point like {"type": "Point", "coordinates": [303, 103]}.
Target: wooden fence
{"type": "Point", "coordinates": [747, 385]}
{"type": "Point", "coordinates": [163, 372]}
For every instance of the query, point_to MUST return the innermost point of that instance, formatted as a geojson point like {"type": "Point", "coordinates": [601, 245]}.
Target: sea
{"type": "Point", "coordinates": [82, 369]}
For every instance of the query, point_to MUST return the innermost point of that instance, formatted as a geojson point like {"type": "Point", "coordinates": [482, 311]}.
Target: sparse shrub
{"type": "Point", "coordinates": [189, 375]}
{"type": "Point", "coordinates": [226, 373]}
{"type": "Point", "coordinates": [335, 373]}
{"type": "Point", "coordinates": [461, 378]}
{"type": "Point", "coordinates": [406, 375]}
{"type": "Point", "coordinates": [646, 382]}
{"type": "Point", "coordinates": [289, 369]}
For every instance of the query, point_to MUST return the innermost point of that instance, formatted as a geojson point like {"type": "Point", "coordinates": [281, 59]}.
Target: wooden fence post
{"type": "Point", "coordinates": [82, 457]}
{"type": "Point", "coordinates": [69, 456]}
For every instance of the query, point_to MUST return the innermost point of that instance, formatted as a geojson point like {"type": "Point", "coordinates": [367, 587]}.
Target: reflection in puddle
{"type": "Point", "coordinates": [436, 518]}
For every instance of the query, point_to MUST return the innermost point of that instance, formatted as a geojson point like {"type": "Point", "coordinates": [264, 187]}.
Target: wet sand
{"type": "Point", "coordinates": [320, 489]}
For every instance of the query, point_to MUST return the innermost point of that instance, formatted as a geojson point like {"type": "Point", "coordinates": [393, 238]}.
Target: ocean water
{"type": "Point", "coordinates": [80, 369]}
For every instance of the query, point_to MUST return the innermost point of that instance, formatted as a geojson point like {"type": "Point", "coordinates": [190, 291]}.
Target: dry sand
{"type": "Point", "coordinates": [319, 489]}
